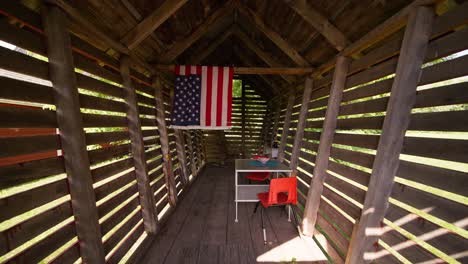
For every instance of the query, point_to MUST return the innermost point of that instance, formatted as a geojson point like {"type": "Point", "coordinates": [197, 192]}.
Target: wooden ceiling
{"type": "Point", "coordinates": [275, 33]}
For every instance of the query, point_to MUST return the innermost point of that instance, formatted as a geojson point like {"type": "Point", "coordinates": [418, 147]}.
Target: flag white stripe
{"type": "Point", "coordinates": [214, 95]}
{"type": "Point", "coordinates": [203, 96]}
{"type": "Point", "coordinates": [182, 70]}
{"type": "Point", "coordinates": [193, 69]}
{"type": "Point", "coordinates": [225, 96]}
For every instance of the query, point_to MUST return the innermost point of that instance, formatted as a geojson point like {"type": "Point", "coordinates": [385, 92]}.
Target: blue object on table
{"type": "Point", "coordinates": [270, 163]}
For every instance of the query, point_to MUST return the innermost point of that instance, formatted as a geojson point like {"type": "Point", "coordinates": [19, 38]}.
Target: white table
{"type": "Point", "coordinates": [248, 192]}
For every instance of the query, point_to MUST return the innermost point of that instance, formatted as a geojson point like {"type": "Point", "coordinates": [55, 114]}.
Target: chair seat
{"type": "Point", "coordinates": [258, 176]}
{"type": "Point", "coordinates": [263, 197]}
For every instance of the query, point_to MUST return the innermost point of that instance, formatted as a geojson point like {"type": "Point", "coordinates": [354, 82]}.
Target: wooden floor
{"type": "Point", "coordinates": [202, 229]}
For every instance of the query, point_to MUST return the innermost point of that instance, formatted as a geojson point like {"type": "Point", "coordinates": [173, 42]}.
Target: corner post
{"type": "Point", "coordinates": [167, 161]}
{"type": "Point", "coordinates": [146, 197]}
{"type": "Point", "coordinates": [308, 86]}
{"type": "Point", "coordinates": [243, 120]}
{"type": "Point", "coordinates": [286, 125]}
{"type": "Point", "coordinates": [326, 140]}
{"type": "Point", "coordinates": [72, 136]}
{"type": "Point", "coordinates": [386, 162]}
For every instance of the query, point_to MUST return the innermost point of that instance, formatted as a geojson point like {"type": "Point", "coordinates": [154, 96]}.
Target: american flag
{"type": "Point", "coordinates": [202, 97]}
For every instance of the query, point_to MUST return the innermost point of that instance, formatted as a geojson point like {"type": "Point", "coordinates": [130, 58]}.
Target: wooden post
{"type": "Point", "coordinates": [148, 204]}
{"type": "Point", "coordinates": [70, 124]}
{"type": "Point", "coordinates": [243, 120]}
{"type": "Point", "coordinates": [326, 140]}
{"type": "Point", "coordinates": [301, 124]}
{"type": "Point", "coordinates": [193, 165]}
{"type": "Point", "coordinates": [180, 147]}
{"type": "Point", "coordinates": [287, 123]}
{"type": "Point", "coordinates": [161, 120]}
{"type": "Point", "coordinates": [402, 99]}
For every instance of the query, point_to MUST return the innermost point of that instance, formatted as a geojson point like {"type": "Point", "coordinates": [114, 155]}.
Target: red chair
{"type": "Point", "coordinates": [283, 191]}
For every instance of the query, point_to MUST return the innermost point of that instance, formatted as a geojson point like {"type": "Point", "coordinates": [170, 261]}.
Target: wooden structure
{"type": "Point", "coordinates": [370, 109]}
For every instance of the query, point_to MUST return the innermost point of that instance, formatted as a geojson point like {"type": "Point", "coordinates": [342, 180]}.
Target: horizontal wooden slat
{"type": "Point", "coordinates": [26, 145]}
{"type": "Point", "coordinates": [25, 91]}
{"type": "Point", "coordinates": [92, 102]}
{"type": "Point", "coordinates": [376, 72]}
{"type": "Point", "coordinates": [21, 63]}
{"type": "Point", "coordinates": [33, 227]}
{"type": "Point", "coordinates": [439, 121]}
{"type": "Point", "coordinates": [92, 120]}
{"type": "Point", "coordinates": [23, 202]}
{"type": "Point", "coordinates": [445, 179]}
{"type": "Point", "coordinates": [99, 155]}
{"type": "Point", "coordinates": [18, 117]}
{"type": "Point", "coordinates": [106, 189]}
{"type": "Point", "coordinates": [445, 70]}
{"type": "Point", "coordinates": [24, 172]}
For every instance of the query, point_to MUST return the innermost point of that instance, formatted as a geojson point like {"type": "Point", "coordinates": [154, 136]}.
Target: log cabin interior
{"type": "Point", "coordinates": [366, 102]}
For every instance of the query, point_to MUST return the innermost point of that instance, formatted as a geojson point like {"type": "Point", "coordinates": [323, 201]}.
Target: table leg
{"type": "Point", "coordinates": [235, 190]}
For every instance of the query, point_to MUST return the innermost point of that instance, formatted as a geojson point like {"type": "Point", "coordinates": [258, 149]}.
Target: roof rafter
{"type": "Point", "coordinates": [320, 23]}
{"type": "Point", "coordinates": [272, 35]}
{"type": "Point", "coordinates": [182, 45]}
{"type": "Point", "coordinates": [260, 53]}
{"type": "Point", "coordinates": [151, 23]}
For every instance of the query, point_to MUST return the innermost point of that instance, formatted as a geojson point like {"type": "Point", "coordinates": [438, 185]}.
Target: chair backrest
{"type": "Point", "coordinates": [283, 185]}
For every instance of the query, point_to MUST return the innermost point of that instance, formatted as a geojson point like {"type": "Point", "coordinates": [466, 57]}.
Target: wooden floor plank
{"type": "Point", "coordinates": [202, 229]}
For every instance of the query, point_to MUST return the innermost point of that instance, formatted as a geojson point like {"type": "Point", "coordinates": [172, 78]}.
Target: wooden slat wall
{"type": "Point", "coordinates": [428, 209]}
{"type": "Point", "coordinates": [255, 113]}
{"type": "Point", "coordinates": [36, 223]}
{"type": "Point", "coordinates": [36, 217]}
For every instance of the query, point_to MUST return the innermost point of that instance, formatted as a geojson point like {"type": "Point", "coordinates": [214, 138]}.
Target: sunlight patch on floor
{"type": "Point", "coordinates": [294, 250]}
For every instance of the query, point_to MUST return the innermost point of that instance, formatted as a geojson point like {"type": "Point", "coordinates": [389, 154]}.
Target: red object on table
{"type": "Point", "coordinates": [258, 176]}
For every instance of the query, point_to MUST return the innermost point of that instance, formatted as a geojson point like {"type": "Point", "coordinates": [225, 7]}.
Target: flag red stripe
{"type": "Point", "coordinates": [219, 106]}
{"type": "Point", "coordinates": [177, 70]}
{"type": "Point", "coordinates": [209, 87]}
{"type": "Point", "coordinates": [229, 102]}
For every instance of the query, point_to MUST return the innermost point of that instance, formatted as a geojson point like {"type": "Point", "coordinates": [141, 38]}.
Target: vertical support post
{"type": "Point", "coordinates": [301, 124]}
{"type": "Point", "coordinates": [243, 120]}
{"type": "Point", "coordinates": [180, 148]}
{"type": "Point", "coordinates": [326, 140]}
{"type": "Point", "coordinates": [386, 162]}
{"type": "Point", "coordinates": [148, 204]}
{"type": "Point", "coordinates": [193, 165]}
{"type": "Point", "coordinates": [70, 124]}
{"type": "Point", "coordinates": [161, 120]}
{"type": "Point", "coordinates": [286, 125]}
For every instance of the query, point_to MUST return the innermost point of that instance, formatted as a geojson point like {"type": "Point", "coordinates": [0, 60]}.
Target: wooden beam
{"type": "Point", "coordinates": [320, 23]}
{"type": "Point", "coordinates": [253, 70]}
{"type": "Point", "coordinates": [308, 86]}
{"type": "Point", "coordinates": [382, 31]}
{"type": "Point", "coordinates": [260, 53]}
{"type": "Point", "coordinates": [286, 125]}
{"type": "Point", "coordinates": [146, 196]}
{"type": "Point", "coordinates": [398, 115]}
{"type": "Point", "coordinates": [273, 35]}
{"type": "Point", "coordinates": [167, 160]}
{"type": "Point", "coordinates": [243, 119]}
{"type": "Point", "coordinates": [180, 148]}
{"type": "Point", "coordinates": [151, 23]}
{"type": "Point", "coordinates": [72, 137]}
{"type": "Point", "coordinates": [80, 19]}
{"type": "Point", "coordinates": [326, 140]}
{"type": "Point", "coordinates": [180, 46]}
